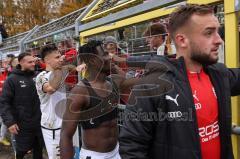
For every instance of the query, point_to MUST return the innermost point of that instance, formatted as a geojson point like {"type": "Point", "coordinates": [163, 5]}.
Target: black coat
{"type": "Point", "coordinates": [3, 32]}
{"type": "Point", "coordinates": [19, 103]}
{"type": "Point", "coordinates": [177, 136]}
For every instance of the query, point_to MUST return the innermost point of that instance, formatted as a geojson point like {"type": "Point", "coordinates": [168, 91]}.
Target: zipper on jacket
{"type": "Point", "coordinates": [221, 111]}
{"type": "Point", "coordinates": [192, 102]}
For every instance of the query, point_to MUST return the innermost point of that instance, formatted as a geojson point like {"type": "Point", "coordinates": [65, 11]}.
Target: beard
{"type": "Point", "coordinates": [200, 56]}
{"type": "Point", "coordinates": [29, 70]}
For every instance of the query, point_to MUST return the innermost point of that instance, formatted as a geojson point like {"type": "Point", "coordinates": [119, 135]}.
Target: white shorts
{"type": "Point", "coordinates": [52, 141]}
{"type": "Point", "coordinates": [87, 154]}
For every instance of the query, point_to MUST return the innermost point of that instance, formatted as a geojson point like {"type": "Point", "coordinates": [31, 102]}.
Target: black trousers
{"type": "Point", "coordinates": [36, 150]}
{"type": "Point", "coordinates": [29, 140]}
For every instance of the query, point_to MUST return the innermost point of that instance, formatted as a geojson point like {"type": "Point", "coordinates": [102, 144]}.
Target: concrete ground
{"type": "Point", "coordinates": [6, 152]}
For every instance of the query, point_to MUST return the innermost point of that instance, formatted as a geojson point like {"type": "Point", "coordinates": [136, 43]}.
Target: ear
{"type": "Point", "coordinates": [45, 60]}
{"type": "Point", "coordinates": [181, 40]}
{"type": "Point", "coordinates": [160, 38]}
{"type": "Point", "coordinates": [21, 62]}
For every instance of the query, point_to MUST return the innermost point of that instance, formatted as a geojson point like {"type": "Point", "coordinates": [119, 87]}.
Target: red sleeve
{"type": "Point", "coordinates": [42, 65]}
{"type": "Point", "coordinates": [70, 55]}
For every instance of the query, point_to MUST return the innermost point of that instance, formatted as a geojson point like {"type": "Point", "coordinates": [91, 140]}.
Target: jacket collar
{"type": "Point", "coordinates": [18, 71]}
{"type": "Point", "coordinates": [178, 67]}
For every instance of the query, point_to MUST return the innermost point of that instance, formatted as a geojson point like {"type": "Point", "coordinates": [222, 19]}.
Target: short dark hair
{"type": "Point", "coordinates": [47, 49]}
{"type": "Point", "coordinates": [85, 51]}
{"type": "Point", "coordinates": [12, 60]}
{"type": "Point", "coordinates": [10, 56]}
{"type": "Point", "coordinates": [67, 43]}
{"type": "Point", "coordinates": [22, 55]}
{"type": "Point", "coordinates": [155, 29]}
{"type": "Point", "coordinates": [181, 16]}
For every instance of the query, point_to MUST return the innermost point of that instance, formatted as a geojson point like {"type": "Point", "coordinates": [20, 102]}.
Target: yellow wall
{"type": "Point", "coordinates": [138, 19]}
{"type": "Point", "coordinates": [232, 60]}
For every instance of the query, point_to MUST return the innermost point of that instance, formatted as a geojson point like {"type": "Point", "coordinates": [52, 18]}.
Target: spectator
{"type": "Point", "coordinates": [111, 45]}
{"type": "Point", "coordinates": [14, 62]}
{"type": "Point", "coordinates": [3, 33]}
{"type": "Point", "coordinates": [20, 108]}
{"type": "Point", "coordinates": [39, 64]}
{"type": "Point", "coordinates": [119, 58]}
{"type": "Point", "coordinates": [3, 76]}
{"type": "Point", "coordinates": [11, 64]}
{"type": "Point", "coordinates": [67, 49]}
{"type": "Point", "coordinates": [3, 131]}
{"type": "Point", "coordinates": [155, 37]}
{"type": "Point", "coordinates": [8, 60]}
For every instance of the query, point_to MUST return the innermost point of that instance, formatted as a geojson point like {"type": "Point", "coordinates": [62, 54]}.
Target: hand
{"type": "Point", "coordinates": [14, 129]}
{"type": "Point", "coordinates": [81, 68]}
{"type": "Point", "coordinates": [63, 57]}
{"type": "Point", "coordinates": [111, 55]}
{"type": "Point", "coordinates": [35, 59]}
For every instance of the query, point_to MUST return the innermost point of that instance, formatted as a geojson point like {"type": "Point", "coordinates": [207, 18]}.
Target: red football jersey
{"type": "Point", "coordinates": [206, 106]}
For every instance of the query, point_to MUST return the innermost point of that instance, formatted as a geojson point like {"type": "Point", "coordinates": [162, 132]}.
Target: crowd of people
{"type": "Point", "coordinates": [178, 108]}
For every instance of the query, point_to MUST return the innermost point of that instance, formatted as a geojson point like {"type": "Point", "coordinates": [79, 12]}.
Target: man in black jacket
{"type": "Point", "coordinates": [192, 118]}
{"type": "Point", "coordinates": [20, 108]}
